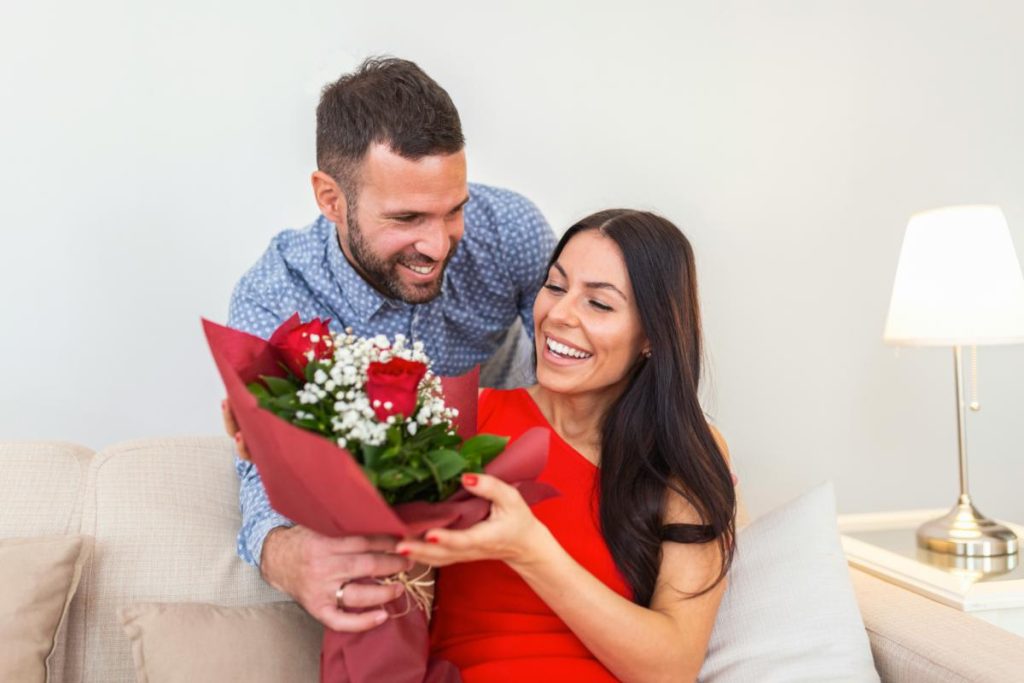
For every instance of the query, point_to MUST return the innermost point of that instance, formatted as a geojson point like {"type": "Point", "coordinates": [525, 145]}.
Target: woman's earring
{"type": "Point", "coordinates": [647, 353]}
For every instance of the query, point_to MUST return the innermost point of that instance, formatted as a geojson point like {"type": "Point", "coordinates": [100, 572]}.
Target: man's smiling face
{"type": "Point", "coordinates": [406, 222]}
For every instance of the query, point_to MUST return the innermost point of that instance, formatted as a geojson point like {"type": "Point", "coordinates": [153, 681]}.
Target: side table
{"type": "Point", "coordinates": [884, 544]}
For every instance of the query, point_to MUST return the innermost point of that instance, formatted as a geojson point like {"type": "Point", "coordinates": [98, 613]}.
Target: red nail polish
{"type": "Point", "coordinates": [433, 539]}
{"type": "Point", "coordinates": [404, 552]}
{"type": "Point", "coordinates": [470, 479]}
{"type": "Point", "coordinates": [238, 437]}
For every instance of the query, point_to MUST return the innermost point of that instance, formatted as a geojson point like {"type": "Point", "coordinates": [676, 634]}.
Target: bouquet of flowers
{"type": "Point", "coordinates": [356, 436]}
{"type": "Point", "coordinates": [380, 402]}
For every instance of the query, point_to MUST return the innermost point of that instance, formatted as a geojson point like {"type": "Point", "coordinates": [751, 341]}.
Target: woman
{"type": "Point", "coordinates": [621, 576]}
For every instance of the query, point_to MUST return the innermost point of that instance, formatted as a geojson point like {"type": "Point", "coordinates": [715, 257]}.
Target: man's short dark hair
{"type": "Point", "coordinates": [386, 100]}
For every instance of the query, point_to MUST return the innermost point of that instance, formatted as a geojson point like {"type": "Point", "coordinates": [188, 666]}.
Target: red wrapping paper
{"type": "Point", "coordinates": [320, 486]}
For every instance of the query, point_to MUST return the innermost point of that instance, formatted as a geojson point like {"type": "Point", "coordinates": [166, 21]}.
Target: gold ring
{"type": "Point", "coordinates": [338, 594]}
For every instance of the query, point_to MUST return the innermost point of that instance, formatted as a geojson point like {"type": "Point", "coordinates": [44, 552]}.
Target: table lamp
{"type": "Point", "coordinates": [959, 283]}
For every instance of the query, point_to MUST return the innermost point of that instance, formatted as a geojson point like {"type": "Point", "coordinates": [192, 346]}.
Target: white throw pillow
{"type": "Point", "coordinates": [789, 613]}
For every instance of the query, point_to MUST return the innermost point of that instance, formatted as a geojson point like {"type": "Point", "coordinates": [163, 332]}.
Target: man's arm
{"type": "Point", "coordinates": [307, 566]}
{"type": "Point", "coordinates": [528, 266]}
{"type": "Point", "coordinates": [258, 517]}
{"type": "Point", "coordinates": [525, 242]}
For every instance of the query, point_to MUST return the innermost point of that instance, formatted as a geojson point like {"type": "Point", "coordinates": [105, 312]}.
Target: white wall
{"type": "Point", "coordinates": [148, 155]}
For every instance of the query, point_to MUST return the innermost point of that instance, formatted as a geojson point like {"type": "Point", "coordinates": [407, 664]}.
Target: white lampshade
{"type": "Point", "coordinates": [958, 281]}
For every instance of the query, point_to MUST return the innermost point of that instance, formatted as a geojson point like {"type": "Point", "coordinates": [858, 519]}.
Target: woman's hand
{"type": "Point", "coordinates": [511, 533]}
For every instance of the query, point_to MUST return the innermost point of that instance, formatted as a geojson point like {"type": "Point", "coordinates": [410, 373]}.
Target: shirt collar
{"type": "Point", "coordinates": [360, 296]}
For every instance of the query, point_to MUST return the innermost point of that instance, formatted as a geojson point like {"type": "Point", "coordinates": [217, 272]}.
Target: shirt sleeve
{"type": "Point", "coordinates": [528, 243]}
{"type": "Point", "coordinates": [258, 518]}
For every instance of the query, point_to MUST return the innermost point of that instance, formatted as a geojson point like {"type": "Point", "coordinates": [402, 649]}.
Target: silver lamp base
{"type": "Point", "coordinates": [973, 568]}
{"type": "Point", "coordinates": [966, 532]}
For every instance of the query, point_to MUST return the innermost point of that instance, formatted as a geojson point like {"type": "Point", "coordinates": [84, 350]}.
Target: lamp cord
{"type": "Point", "coordinates": [974, 405]}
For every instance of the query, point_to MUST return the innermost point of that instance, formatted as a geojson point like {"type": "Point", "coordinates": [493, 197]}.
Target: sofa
{"type": "Point", "coordinates": [159, 518]}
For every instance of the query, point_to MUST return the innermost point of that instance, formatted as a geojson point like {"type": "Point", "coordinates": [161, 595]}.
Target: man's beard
{"type": "Point", "coordinates": [383, 274]}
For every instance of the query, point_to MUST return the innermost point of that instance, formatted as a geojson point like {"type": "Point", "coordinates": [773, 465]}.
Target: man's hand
{"type": "Point", "coordinates": [231, 427]}
{"type": "Point", "coordinates": [311, 568]}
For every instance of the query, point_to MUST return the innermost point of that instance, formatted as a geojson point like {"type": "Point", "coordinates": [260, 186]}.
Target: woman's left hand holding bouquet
{"type": "Point", "coordinates": [510, 533]}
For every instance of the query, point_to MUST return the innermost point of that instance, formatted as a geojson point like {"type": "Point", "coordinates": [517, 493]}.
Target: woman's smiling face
{"type": "Point", "coordinates": [588, 330]}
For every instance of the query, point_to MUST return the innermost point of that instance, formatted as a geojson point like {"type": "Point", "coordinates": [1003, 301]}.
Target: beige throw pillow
{"type": "Point", "coordinates": [191, 642]}
{"type": "Point", "coordinates": [38, 578]}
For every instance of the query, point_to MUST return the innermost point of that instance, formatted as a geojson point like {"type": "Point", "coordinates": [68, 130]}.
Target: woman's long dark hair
{"type": "Point", "coordinates": [655, 437]}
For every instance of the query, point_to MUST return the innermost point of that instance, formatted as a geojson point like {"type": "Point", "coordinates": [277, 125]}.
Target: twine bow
{"type": "Point", "coordinates": [418, 590]}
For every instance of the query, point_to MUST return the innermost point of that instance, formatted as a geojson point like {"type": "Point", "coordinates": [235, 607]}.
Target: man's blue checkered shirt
{"type": "Point", "coordinates": [490, 283]}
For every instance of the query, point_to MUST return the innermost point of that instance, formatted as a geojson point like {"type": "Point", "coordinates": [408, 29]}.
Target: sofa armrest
{"type": "Point", "coordinates": [914, 638]}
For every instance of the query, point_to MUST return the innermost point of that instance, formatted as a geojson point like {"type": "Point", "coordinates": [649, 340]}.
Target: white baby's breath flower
{"type": "Point", "coordinates": [339, 385]}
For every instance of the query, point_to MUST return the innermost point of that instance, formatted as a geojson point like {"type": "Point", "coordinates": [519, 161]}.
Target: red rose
{"type": "Point", "coordinates": [295, 345]}
{"type": "Point", "coordinates": [394, 384]}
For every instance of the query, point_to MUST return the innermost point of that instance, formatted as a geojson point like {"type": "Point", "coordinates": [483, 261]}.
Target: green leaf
{"type": "Point", "coordinates": [426, 434]}
{"type": "Point", "coordinates": [371, 474]}
{"type": "Point", "coordinates": [278, 386]}
{"type": "Point", "coordinates": [394, 478]}
{"type": "Point", "coordinates": [448, 463]}
{"type": "Point", "coordinates": [483, 448]}
{"type": "Point", "coordinates": [258, 390]}
{"type": "Point", "coordinates": [371, 456]}
{"type": "Point", "coordinates": [389, 453]}
{"type": "Point", "coordinates": [281, 404]}
{"type": "Point", "coordinates": [425, 491]}
{"type": "Point", "coordinates": [449, 440]}
{"type": "Point", "coordinates": [420, 474]}
{"type": "Point", "coordinates": [310, 370]}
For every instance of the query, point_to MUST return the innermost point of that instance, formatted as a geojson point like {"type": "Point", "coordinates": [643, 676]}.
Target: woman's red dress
{"type": "Point", "coordinates": [487, 620]}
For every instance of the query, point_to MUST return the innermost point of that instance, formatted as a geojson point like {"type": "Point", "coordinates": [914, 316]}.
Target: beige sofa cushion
{"type": "Point", "coordinates": [38, 577]}
{"type": "Point", "coordinates": [32, 472]}
{"type": "Point", "coordinates": [915, 639]}
{"type": "Point", "coordinates": [189, 642]}
{"type": "Point", "coordinates": [164, 513]}
{"type": "Point", "coordinates": [36, 471]}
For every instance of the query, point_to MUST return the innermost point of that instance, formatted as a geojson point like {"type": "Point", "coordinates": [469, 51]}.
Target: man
{"type": "Point", "coordinates": [404, 245]}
